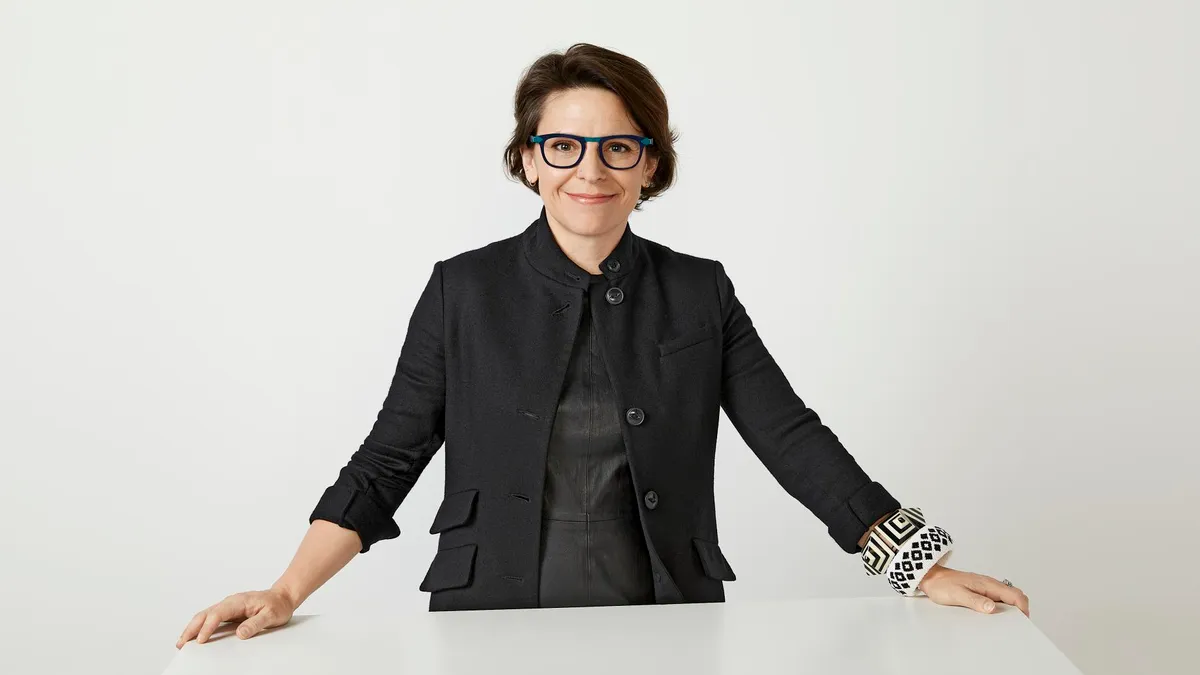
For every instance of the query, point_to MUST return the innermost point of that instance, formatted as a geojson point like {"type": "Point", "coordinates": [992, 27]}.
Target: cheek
{"type": "Point", "coordinates": [552, 179]}
{"type": "Point", "coordinates": [632, 185]}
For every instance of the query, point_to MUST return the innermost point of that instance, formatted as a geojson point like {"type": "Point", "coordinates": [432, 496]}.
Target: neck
{"type": "Point", "coordinates": [584, 250]}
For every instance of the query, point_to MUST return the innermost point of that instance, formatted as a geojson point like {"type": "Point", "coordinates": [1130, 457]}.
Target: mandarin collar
{"type": "Point", "coordinates": [543, 252]}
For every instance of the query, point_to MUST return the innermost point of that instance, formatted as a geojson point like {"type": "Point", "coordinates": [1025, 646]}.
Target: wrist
{"type": "Point", "coordinates": [287, 593]}
{"type": "Point", "coordinates": [906, 549]}
{"type": "Point", "coordinates": [867, 535]}
{"type": "Point", "coordinates": [936, 570]}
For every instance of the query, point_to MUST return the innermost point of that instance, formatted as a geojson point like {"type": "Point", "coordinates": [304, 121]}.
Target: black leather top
{"type": "Point", "coordinates": [593, 549]}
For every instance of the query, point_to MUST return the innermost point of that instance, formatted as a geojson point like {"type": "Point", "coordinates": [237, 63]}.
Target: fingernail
{"type": "Point", "coordinates": [989, 607]}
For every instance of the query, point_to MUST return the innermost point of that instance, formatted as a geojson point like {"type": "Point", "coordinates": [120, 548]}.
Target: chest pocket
{"type": "Point", "coordinates": [688, 338]}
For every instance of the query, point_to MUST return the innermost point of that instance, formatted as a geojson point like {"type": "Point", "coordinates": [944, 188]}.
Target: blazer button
{"type": "Point", "coordinates": [614, 296]}
{"type": "Point", "coordinates": [635, 416]}
{"type": "Point", "coordinates": [614, 265]}
{"type": "Point", "coordinates": [652, 500]}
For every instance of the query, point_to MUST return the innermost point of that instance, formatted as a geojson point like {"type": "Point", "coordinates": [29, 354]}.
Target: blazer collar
{"type": "Point", "coordinates": [543, 252]}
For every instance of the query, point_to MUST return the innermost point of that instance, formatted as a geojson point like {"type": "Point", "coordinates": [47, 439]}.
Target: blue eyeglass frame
{"type": "Point", "coordinates": [642, 142]}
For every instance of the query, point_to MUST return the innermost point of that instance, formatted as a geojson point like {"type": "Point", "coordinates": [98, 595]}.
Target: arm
{"type": "Point", "coordinates": [810, 463]}
{"type": "Point", "coordinates": [803, 455]}
{"type": "Point", "coordinates": [356, 511]}
{"type": "Point", "coordinates": [325, 549]}
{"type": "Point", "coordinates": [409, 429]}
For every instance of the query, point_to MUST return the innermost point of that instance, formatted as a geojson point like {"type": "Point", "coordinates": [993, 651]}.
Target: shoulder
{"type": "Point", "coordinates": [697, 277]}
{"type": "Point", "coordinates": [686, 268]}
{"type": "Point", "coordinates": [484, 264]}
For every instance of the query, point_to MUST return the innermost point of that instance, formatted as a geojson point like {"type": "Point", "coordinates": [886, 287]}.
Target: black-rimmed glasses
{"type": "Point", "coordinates": [564, 151]}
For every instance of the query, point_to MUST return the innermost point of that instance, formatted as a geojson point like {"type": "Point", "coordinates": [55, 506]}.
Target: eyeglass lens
{"type": "Point", "coordinates": [562, 152]}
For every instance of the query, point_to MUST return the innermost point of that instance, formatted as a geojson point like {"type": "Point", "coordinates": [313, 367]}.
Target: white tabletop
{"type": "Point", "coordinates": [858, 635]}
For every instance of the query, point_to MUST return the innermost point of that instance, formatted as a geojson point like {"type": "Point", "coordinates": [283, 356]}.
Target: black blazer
{"type": "Point", "coordinates": [481, 368]}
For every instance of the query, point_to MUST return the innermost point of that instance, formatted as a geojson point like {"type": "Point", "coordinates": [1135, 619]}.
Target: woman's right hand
{"type": "Point", "coordinates": [258, 610]}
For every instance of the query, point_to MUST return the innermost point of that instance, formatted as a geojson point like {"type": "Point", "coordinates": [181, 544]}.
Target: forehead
{"type": "Point", "coordinates": [586, 112]}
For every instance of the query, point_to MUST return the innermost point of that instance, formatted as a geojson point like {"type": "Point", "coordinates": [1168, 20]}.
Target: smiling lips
{"type": "Point", "coordinates": [584, 198]}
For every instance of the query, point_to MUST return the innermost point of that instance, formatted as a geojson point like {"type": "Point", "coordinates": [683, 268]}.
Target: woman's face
{"type": "Point", "coordinates": [587, 112]}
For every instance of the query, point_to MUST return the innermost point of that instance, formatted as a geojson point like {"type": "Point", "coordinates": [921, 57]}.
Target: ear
{"type": "Point", "coordinates": [528, 162]}
{"type": "Point", "coordinates": [651, 166]}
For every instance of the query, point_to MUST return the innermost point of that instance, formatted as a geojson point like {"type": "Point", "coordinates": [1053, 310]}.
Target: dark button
{"type": "Point", "coordinates": [658, 577]}
{"type": "Point", "coordinates": [635, 416]}
{"type": "Point", "coordinates": [614, 296]}
{"type": "Point", "coordinates": [614, 265]}
{"type": "Point", "coordinates": [652, 500]}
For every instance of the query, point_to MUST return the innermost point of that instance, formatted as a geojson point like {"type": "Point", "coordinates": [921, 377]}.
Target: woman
{"type": "Point", "coordinates": [575, 373]}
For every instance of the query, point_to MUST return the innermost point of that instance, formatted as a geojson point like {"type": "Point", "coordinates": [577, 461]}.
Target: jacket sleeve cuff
{"type": "Point", "coordinates": [850, 522]}
{"type": "Point", "coordinates": [356, 510]}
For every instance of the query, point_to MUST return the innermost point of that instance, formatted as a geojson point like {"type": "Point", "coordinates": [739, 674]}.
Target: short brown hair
{"type": "Point", "coordinates": [587, 65]}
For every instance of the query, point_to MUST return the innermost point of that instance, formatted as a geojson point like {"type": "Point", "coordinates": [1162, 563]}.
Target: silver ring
{"type": "Point", "coordinates": [1006, 582]}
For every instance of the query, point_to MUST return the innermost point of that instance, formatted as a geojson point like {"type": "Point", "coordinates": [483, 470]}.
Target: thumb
{"type": "Point", "coordinates": [977, 602]}
{"type": "Point", "coordinates": [253, 625]}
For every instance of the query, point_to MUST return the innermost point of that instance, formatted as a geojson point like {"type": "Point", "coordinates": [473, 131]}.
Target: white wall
{"type": "Point", "coordinates": [217, 216]}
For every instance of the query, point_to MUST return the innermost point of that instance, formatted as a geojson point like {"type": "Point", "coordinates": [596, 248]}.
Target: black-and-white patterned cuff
{"type": "Point", "coordinates": [905, 547]}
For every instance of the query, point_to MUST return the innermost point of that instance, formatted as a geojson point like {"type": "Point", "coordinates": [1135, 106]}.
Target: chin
{"type": "Point", "coordinates": [596, 224]}
{"type": "Point", "coordinates": [595, 211]}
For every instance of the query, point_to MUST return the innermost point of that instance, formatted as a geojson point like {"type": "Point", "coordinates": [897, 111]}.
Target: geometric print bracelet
{"type": "Point", "coordinates": [904, 547]}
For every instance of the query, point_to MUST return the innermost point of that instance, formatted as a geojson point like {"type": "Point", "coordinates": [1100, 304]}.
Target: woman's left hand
{"type": "Point", "coordinates": [947, 586]}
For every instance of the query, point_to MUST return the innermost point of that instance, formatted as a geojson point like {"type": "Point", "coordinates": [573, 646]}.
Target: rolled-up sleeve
{"type": "Point", "coordinates": [408, 431]}
{"type": "Point", "coordinates": [803, 454]}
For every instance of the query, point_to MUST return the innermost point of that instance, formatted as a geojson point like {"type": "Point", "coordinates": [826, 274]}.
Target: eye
{"type": "Point", "coordinates": [563, 146]}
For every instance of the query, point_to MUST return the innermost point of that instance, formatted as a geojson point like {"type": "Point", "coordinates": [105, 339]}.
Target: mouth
{"type": "Point", "coordinates": [584, 198]}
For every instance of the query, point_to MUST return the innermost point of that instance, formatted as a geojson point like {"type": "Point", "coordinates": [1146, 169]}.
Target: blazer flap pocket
{"type": "Point", "coordinates": [714, 562]}
{"type": "Point", "coordinates": [456, 510]}
{"type": "Point", "coordinates": [687, 339]}
{"type": "Point", "coordinates": [451, 568]}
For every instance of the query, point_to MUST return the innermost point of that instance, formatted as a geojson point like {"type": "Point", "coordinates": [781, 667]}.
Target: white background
{"type": "Point", "coordinates": [967, 231]}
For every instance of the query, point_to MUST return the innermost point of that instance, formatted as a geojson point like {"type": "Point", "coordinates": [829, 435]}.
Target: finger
{"type": "Point", "coordinates": [979, 603]}
{"type": "Point", "coordinates": [255, 624]}
{"type": "Point", "coordinates": [1020, 599]}
{"type": "Point", "coordinates": [192, 628]}
{"type": "Point", "coordinates": [208, 627]}
{"type": "Point", "coordinates": [1009, 595]}
{"type": "Point", "coordinates": [226, 610]}
{"type": "Point", "coordinates": [1002, 592]}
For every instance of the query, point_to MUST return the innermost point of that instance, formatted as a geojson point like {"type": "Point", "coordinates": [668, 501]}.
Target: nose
{"type": "Point", "coordinates": [591, 168]}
